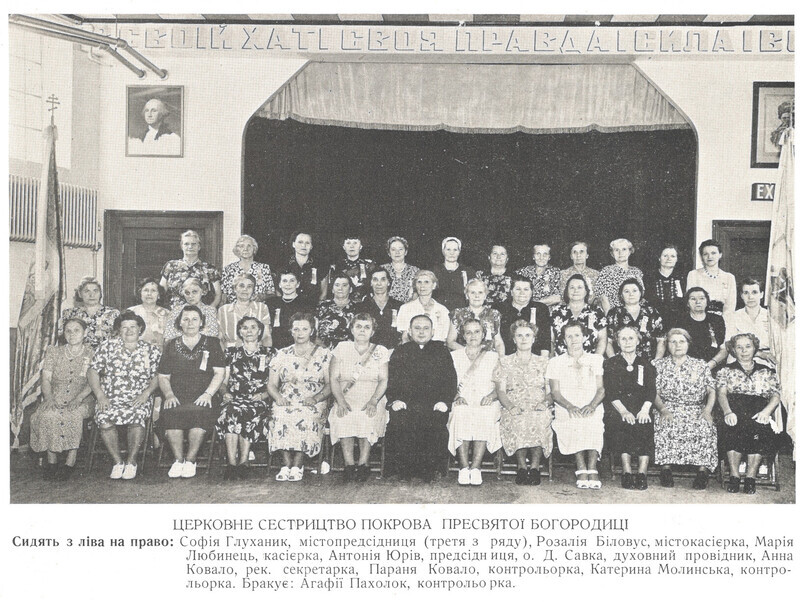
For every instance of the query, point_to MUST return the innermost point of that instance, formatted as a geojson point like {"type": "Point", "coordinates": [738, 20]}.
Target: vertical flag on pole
{"type": "Point", "coordinates": [781, 279]}
{"type": "Point", "coordinates": [41, 304]}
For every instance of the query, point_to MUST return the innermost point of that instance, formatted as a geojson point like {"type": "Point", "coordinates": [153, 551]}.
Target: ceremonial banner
{"type": "Point", "coordinates": [781, 280]}
{"type": "Point", "coordinates": [41, 305]}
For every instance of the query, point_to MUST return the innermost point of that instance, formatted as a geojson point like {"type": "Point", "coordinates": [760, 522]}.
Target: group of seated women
{"type": "Point", "coordinates": [362, 352]}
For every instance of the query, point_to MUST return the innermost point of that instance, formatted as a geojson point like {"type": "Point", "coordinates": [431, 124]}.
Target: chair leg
{"type": "Point", "coordinates": [383, 456]}
{"type": "Point", "coordinates": [550, 467]}
{"type": "Point", "coordinates": [92, 446]}
{"type": "Point", "coordinates": [211, 451]}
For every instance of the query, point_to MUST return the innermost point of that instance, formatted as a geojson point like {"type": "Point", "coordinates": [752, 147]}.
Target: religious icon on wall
{"type": "Point", "coordinates": [155, 121]}
{"type": "Point", "coordinates": [773, 113]}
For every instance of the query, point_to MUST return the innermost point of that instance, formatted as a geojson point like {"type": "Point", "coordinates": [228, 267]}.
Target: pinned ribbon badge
{"type": "Point", "coordinates": [262, 362]}
{"type": "Point", "coordinates": [277, 321]}
{"type": "Point", "coordinates": [640, 378]}
{"type": "Point", "coordinates": [394, 318]}
{"type": "Point", "coordinates": [464, 277]}
{"type": "Point", "coordinates": [204, 361]}
{"type": "Point", "coordinates": [313, 275]}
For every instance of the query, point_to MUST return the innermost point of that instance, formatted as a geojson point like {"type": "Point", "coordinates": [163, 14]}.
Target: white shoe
{"type": "Point", "coordinates": [116, 472]}
{"type": "Point", "coordinates": [129, 472]}
{"type": "Point", "coordinates": [324, 468]}
{"type": "Point", "coordinates": [189, 469]}
{"type": "Point", "coordinates": [251, 456]}
{"type": "Point", "coordinates": [463, 476]}
{"type": "Point", "coordinates": [475, 477]}
{"type": "Point", "coordinates": [176, 470]}
{"type": "Point", "coordinates": [283, 474]}
{"type": "Point", "coordinates": [295, 474]}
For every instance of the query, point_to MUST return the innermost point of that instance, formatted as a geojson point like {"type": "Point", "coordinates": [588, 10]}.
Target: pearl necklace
{"type": "Point", "coordinates": [69, 354]}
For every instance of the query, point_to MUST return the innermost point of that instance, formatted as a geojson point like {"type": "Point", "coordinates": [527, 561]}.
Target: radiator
{"type": "Point", "coordinates": [78, 212]}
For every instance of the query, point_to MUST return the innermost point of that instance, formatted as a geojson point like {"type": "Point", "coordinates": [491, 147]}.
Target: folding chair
{"type": "Point", "coordinates": [203, 460]}
{"type": "Point", "coordinates": [95, 440]}
{"type": "Point", "coordinates": [375, 464]}
{"type": "Point", "coordinates": [767, 475]}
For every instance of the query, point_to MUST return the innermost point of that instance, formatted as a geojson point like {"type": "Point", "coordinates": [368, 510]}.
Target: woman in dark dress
{"type": "Point", "coordinates": [283, 307]}
{"type": "Point", "coordinates": [637, 312]}
{"type": "Point", "coordinates": [246, 403]}
{"type": "Point", "coordinates": [190, 374]}
{"type": "Point", "coordinates": [452, 275]}
{"type": "Point", "coordinates": [666, 286]}
{"type": "Point", "coordinates": [382, 308]}
{"type": "Point", "coordinates": [748, 393]}
{"type": "Point", "coordinates": [706, 329]}
{"type": "Point", "coordinates": [630, 384]}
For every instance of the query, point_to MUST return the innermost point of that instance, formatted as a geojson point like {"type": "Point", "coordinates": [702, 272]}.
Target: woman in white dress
{"type": "Point", "coordinates": [475, 417]}
{"type": "Point", "coordinates": [576, 384]}
{"type": "Point", "coordinates": [359, 375]}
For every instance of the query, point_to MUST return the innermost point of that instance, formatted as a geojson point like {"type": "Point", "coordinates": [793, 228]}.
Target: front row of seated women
{"type": "Point", "coordinates": [466, 401]}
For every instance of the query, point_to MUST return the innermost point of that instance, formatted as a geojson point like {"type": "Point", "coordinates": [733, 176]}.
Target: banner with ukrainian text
{"type": "Point", "coordinates": [44, 291]}
{"type": "Point", "coordinates": [781, 279]}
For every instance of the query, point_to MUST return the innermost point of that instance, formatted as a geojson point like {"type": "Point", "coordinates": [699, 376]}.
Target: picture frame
{"type": "Point", "coordinates": [767, 124]}
{"type": "Point", "coordinates": [154, 119]}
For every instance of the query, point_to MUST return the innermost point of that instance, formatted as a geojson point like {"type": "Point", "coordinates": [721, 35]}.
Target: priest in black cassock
{"type": "Point", "coordinates": [422, 386]}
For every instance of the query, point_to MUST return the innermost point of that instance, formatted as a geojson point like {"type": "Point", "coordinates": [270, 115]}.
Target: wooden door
{"type": "Point", "coordinates": [745, 249]}
{"type": "Point", "coordinates": [139, 243]}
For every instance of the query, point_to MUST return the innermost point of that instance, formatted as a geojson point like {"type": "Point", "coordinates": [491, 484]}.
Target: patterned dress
{"type": "Point", "coordinates": [688, 439]}
{"type": "Point", "coordinates": [474, 422]}
{"type": "Point", "coordinates": [249, 374]}
{"type": "Point", "coordinates": [648, 323]}
{"type": "Point", "coordinates": [176, 271]}
{"type": "Point", "coordinates": [490, 319]}
{"type": "Point", "coordinates": [265, 284]}
{"type": "Point", "coordinates": [124, 375]}
{"type": "Point", "coordinates": [155, 323]}
{"type": "Point", "coordinates": [544, 285]}
{"type": "Point", "coordinates": [589, 274]}
{"type": "Point", "coordinates": [526, 388]}
{"type": "Point", "coordinates": [359, 379]}
{"type": "Point", "coordinates": [228, 317]}
{"type": "Point", "coordinates": [99, 326]}
{"type": "Point", "coordinates": [59, 428]}
{"type": "Point", "coordinates": [748, 394]}
{"type": "Point", "coordinates": [497, 285]}
{"type": "Point", "coordinates": [299, 427]}
{"type": "Point", "coordinates": [359, 271]}
{"type": "Point", "coordinates": [333, 322]}
{"type": "Point", "coordinates": [611, 278]}
{"type": "Point", "coordinates": [591, 317]}
{"type": "Point", "coordinates": [402, 287]}
{"type": "Point", "coordinates": [211, 329]}
{"type": "Point", "coordinates": [577, 379]}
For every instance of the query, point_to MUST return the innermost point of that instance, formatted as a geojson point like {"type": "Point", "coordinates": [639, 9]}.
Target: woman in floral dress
{"type": "Point", "coordinates": [478, 309]}
{"type": "Point", "coordinates": [98, 318]}
{"type": "Point", "coordinates": [334, 315]}
{"type": "Point", "coordinates": [576, 308]}
{"type": "Point", "coordinates": [57, 424]}
{"type": "Point", "coordinates": [402, 280]}
{"type": "Point", "coordinates": [176, 271]}
{"type": "Point", "coordinates": [123, 377]}
{"type": "Point", "coordinates": [636, 312]}
{"type": "Point", "coordinates": [264, 284]}
{"type": "Point", "coordinates": [612, 276]}
{"type": "Point", "coordinates": [246, 404]}
{"type": "Point", "coordinates": [497, 278]}
{"type": "Point", "coordinates": [684, 429]}
{"type": "Point", "coordinates": [154, 315]}
{"type": "Point", "coordinates": [527, 413]}
{"type": "Point", "coordinates": [299, 386]}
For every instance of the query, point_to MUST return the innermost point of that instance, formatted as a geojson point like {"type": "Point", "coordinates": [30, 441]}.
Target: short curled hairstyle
{"type": "Point", "coordinates": [630, 327]}
{"type": "Point", "coordinates": [85, 281]}
{"type": "Point", "coordinates": [429, 274]}
{"type": "Point", "coordinates": [340, 276]}
{"type": "Point", "coordinates": [239, 277]}
{"type": "Point", "coordinates": [709, 243]}
{"type": "Point", "coordinates": [249, 239]}
{"type": "Point", "coordinates": [731, 344]}
{"type": "Point", "coordinates": [245, 320]}
{"type": "Point", "coordinates": [574, 324]}
{"type": "Point", "coordinates": [621, 241]}
{"type": "Point", "coordinates": [464, 324]}
{"type": "Point", "coordinates": [162, 294]}
{"type": "Point", "coordinates": [625, 283]}
{"type": "Point", "coordinates": [126, 316]}
{"type": "Point", "coordinates": [188, 308]}
{"type": "Point", "coordinates": [78, 321]}
{"type": "Point", "coordinates": [364, 317]}
{"type": "Point", "coordinates": [293, 236]}
{"type": "Point", "coordinates": [697, 289]}
{"type": "Point", "coordinates": [399, 239]}
{"type": "Point", "coordinates": [304, 316]}
{"type": "Point", "coordinates": [679, 331]}
{"type": "Point", "coordinates": [517, 324]}
{"type": "Point", "coordinates": [476, 282]}
{"type": "Point", "coordinates": [191, 234]}
{"type": "Point", "coordinates": [386, 271]}
{"type": "Point", "coordinates": [565, 294]}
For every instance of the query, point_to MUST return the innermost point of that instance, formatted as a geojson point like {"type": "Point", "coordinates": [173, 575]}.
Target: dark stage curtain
{"type": "Point", "coordinates": [519, 189]}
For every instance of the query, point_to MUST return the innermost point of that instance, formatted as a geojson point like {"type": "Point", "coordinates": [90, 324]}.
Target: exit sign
{"type": "Point", "coordinates": [762, 192]}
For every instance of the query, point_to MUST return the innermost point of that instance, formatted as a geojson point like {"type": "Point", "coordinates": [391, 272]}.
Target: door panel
{"type": "Point", "coordinates": [745, 249]}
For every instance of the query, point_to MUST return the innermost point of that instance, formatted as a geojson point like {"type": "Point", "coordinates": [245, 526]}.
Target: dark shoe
{"type": "Point", "coordinates": [733, 484]}
{"type": "Point", "coordinates": [749, 485]}
{"type": "Point", "coordinates": [243, 472]}
{"type": "Point", "coordinates": [666, 478]}
{"type": "Point", "coordinates": [522, 477]}
{"type": "Point", "coordinates": [534, 476]}
{"type": "Point", "coordinates": [49, 471]}
{"type": "Point", "coordinates": [64, 472]}
{"type": "Point", "coordinates": [701, 480]}
{"type": "Point", "coordinates": [349, 473]}
{"type": "Point", "coordinates": [627, 480]}
{"type": "Point", "coordinates": [362, 473]}
{"type": "Point", "coordinates": [641, 481]}
{"type": "Point", "coordinates": [229, 474]}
